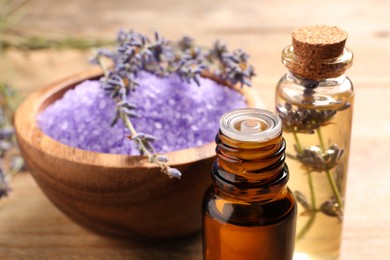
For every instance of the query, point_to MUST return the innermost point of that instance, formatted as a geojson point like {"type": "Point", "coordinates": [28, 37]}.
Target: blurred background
{"type": "Point", "coordinates": [260, 27]}
{"type": "Point", "coordinates": [66, 31]}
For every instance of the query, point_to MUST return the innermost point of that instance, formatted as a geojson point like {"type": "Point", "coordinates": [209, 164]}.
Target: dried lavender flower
{"type": "Point", "coordinates": [185, 43]}
{"type": "Point", "coordinates": [218, 51]}
{"type": "Point", "coordinates": [316, 160]}
{"type": "Point", "coordinates": [136, 52]}
{"type": "Point", "coordinates": [331, 208]}
{"type": "Point", "coordinates": [8, 103]}
{"type": "Point", "coordinates": [305, 120]}
{"type": "Point", "coordinates": [302, 200]}
{"type": "Point", "coordinates": [339, 176]}
{"type": "Point", "coordinates": [161, 158]}
{"type": "Point", "coordinates": [4, 188]}
{"type": "Point", "coordinates": [173, 173]}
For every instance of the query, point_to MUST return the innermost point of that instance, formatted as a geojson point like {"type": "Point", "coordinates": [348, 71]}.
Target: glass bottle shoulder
{"type": "Point", "coordinates": [327, 94]}
{"type": "Point", "coordinates": [246, 213]}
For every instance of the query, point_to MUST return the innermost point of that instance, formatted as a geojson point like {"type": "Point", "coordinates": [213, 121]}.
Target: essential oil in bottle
{"type": "Point", "coordinates": [314, 100]}
{"type": "Point", "coordinates": [248, 212]}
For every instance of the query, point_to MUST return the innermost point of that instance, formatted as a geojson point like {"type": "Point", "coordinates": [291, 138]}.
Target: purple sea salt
{"type": "Point", "coordinates": [178, 114]}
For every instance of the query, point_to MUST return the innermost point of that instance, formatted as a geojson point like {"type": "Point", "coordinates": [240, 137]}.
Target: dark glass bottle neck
{"type": "Point", "coordinates": [254, 171]}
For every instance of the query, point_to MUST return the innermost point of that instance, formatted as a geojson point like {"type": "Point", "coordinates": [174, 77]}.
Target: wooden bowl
{"type": "Point", "coordinates": [117, 195]}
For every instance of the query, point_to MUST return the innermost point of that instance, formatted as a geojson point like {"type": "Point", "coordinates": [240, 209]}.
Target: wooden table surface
{"type": "Point", "coordinates": [32, 228]}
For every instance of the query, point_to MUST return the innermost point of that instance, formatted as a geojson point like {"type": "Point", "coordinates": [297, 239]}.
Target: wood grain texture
{"type": "Point", "coordinates": [31, 228]}
{"type": "Point", "coordinates": [118, 195]}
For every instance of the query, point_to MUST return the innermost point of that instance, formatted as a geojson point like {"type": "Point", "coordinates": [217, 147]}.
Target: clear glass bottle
{"type": "Point", "coordinates": [248, 212]}
{"type": "Point", "coordinates": [314, 101]}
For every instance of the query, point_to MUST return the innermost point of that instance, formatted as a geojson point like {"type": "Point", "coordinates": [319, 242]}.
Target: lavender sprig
{"type": "Point", "coordinates": [8, 103]}
{"type": "Point", "coordinates": [136, 52]}
{"type": "Point", "coordinates": [4, 187]}
{"type": "Point", "coordinates": [315, 158]}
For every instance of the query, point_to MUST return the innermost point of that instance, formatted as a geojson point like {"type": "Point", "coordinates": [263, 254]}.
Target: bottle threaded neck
{"type": "Point", "coordinates": [256, 163]}
{"type": "Point", "coordinates": [250, 154]}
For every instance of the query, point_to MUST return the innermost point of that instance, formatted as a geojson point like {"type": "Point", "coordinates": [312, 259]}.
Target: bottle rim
{"type": "Point", "coordinates": [317, 68]}
{"type": "Point", "coordinates": [268, 126]}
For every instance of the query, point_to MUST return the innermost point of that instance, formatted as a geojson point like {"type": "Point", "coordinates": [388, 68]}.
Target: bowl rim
{"type": "Point", "coordinates": [27, 130]}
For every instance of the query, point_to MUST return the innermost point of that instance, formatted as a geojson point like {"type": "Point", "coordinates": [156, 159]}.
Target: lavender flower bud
{"type": "Point", "coordinates": [4, 188]}
{"type": "Point", "coordinates": [121, 35]}
{"type": "Point", "coordinates": [127, 104]}
{"type": "Point", "coordinates": [148, 145]}
{"type": "Point", "coordinates": [185, 43]}
{"type": "Point", "coordinates": [5, 146]}
{"type": "Point", "coordinates": [129, 112]}
{"type": "Point", "coordinates": [173, 173]}
{"type": "Point", "coordinates": [98, 54]}
{"type": "Point", "coordinates": [138, 136]}
{"type": "Point", "coordinates": [162, 158]}
{"type": "Point", "coordinates": [149, 138]}
{"type": "Point", "coordinates": [17, 163]}
{"type": "Point", "coordinates": [6, 132]}
{"type": "Point", "coordinates": [116, 80]}
{"type": "Point", "coordinates": [115, 119]}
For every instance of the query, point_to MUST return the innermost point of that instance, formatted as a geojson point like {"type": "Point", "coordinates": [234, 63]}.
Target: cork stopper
{"type": "Point", "coordinates": [318, 52]}
{"type": "Point", "coordinates": [319, 41]}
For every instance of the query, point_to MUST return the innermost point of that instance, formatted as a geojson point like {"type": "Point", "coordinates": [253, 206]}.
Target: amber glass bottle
{"type": "Point", "coordinates": [248, 212]}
